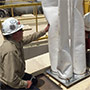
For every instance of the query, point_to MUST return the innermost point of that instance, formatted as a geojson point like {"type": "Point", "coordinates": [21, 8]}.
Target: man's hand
{"type": "Point", "coordinates": [47, 28]}
{"type": "Point", "coordinates": [29, 83]}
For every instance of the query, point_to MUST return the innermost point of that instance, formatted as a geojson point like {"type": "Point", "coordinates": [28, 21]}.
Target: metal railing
{"type": "Point", "coordinates": [25, 5]}
{"type": "Point", "coordinates": [86, 6]}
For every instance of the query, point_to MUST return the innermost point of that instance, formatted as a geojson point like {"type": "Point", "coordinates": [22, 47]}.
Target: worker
{"type": "Point", "coordinates": [87, 37]}
{"type": "Point", "coordinates": [87, 29]}
{"type": "Point", "coordinates": [12, 64]}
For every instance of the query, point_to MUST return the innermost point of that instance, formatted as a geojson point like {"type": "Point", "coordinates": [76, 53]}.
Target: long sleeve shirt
{"type": "Point", "coordinates": [12, 63]}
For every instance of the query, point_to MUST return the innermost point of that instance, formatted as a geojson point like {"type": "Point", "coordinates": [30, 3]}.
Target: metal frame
{"type": "Point", "coordinates": [86, 6]}
{"type": "Point", "coordinates": [24, 5]}
{"type": "Point", "coordinates": [69, 82]}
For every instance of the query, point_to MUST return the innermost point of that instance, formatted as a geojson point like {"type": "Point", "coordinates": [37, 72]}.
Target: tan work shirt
{"type": "Point", "coordinates": [12, 63]}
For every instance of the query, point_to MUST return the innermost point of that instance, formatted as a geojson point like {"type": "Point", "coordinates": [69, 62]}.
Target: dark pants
{"type": "Point", "coordinates": [26, 77]}
{"type": "Point", "coordinates": [88, 58]}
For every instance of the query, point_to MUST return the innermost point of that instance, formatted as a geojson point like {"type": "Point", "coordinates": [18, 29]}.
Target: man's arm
{"type": "Point", "coordinates": [35, 36]}
{"type": "Point", "coordinates": [11, 67]}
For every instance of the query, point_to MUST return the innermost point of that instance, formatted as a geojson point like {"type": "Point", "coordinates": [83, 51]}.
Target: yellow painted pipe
{"type": "Point", "coordinates": [27, 18]}
{"type": "Point", "coordinates": [12, 9]}
{"type": "Point", "coordinates": [86, 6]}
{"type": "Point", "coordinates": [41, 38]}
{"type": "Point", "coordinates": [17, 1]}
{"type": "Point", "coordinates": [19, 5]}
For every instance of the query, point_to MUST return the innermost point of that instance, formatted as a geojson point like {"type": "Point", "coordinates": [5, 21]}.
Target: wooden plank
{"type": "Point", "coordinates": [52, 79]}
{"type": "Point", "coordinates": [82, 85]}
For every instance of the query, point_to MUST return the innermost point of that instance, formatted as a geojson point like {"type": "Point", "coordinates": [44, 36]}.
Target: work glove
{"type": "Point", "coordinates": [29, 83]}
{"type": "Point", "coordinates": [47, 28]}
{"type": "Point", "coordinates": [32, 81]}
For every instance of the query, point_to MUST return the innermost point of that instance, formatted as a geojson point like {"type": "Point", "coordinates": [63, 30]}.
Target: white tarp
{"type": "Point", "coordinates": [66, 36]}
{"type": "Point", "coordinates": [51, 12]}
{"type": "Point", "coordinates": [64, 57]}
{"type": "Point", "coordinates": [79, 62]}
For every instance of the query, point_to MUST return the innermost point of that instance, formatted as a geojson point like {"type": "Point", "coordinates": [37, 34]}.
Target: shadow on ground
{"type": "Point", "coordinates": [45, 84]}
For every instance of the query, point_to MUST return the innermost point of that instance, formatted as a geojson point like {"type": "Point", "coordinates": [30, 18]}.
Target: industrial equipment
{"type": "Point", "coordinates": [4, 13]}
{"type": "Point", "coordinates": [18, 11]}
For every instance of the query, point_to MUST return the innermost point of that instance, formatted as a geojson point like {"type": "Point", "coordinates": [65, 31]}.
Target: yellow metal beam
{"type": "Point", "coordinates": [86, 6]}
{"type": "Point", "coordinates": [19, 5]}
{"type": "Point", "coordinates": [41, 38]}
{"type": "Point", "coordinates": [25, 18]}
{"type": "Point", "coordinates": [17, 1]}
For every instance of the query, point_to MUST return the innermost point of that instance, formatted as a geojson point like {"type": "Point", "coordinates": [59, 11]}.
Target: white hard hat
{"type": "Point", "coordinates": [87, 21]}
{"type": "Point", "coordinates": [10, 26]}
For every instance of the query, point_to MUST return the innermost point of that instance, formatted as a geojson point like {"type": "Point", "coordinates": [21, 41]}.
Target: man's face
{"type": "Point", "coordinates": [18, 36]}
